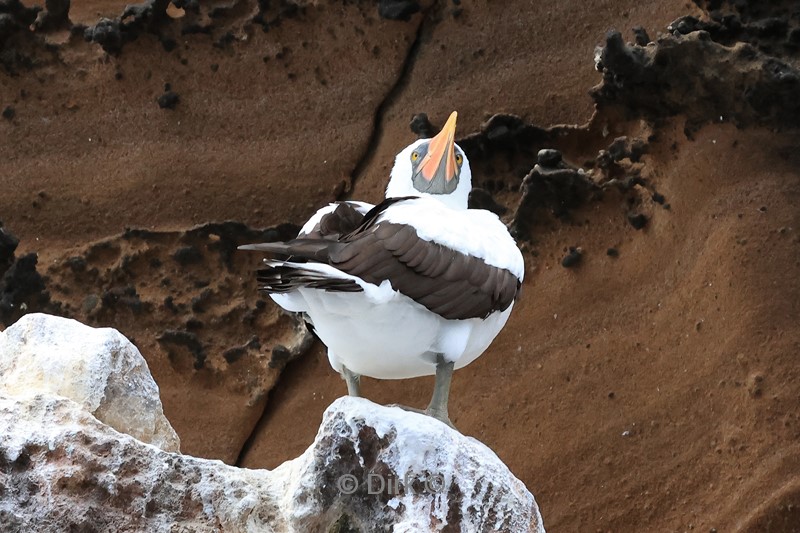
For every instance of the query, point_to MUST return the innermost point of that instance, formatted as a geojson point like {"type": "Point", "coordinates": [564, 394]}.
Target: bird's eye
{"type": "Point", "coordinates": [459, 159]}
{"type": "Point", "coordinates": [414, 156]}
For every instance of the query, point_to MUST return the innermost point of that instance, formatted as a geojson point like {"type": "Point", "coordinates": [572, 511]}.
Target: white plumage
{"type": "Point", "coordinates": [381, 332]}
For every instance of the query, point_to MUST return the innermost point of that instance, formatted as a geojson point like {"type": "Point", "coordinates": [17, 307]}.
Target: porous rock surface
{"type": "Point", "coordinates": [98, 368]}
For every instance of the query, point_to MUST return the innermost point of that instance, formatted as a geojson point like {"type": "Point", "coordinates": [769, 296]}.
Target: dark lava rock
{"type": "Point", "coordinates": [187, 255]}
{"type": "Point", "coordinates": [55, 16]}
{"type": "Point", "coordinates": [659, 198]}
{"type": "Point", "coordinates": [199, 301]}
{"type": "Point", "coordinates": [107, 33]}
{"type": "Point", "coordinates": [271, 16]}
{"type": "Point", "coordinates": [168, 100]}
{"type": "Point", "coordinates": [9, 112]}
{"type": "Point", "coordinates": [499, 127]}
{"type": "Point", "coordinates": [172, 338]}
{"type": "Point", "coordinates": [136, 19]}
{"type": "Point", "coordinates": [622, 148]}
{"type": "Point", "coordinates": [694, 75]}
{"type": "Point", "coordinates": [640, 36]}
{"type": "Point", "coordinates": [232, 355]}
{"type": "Point", "coordinates": [22, 290]}
{"type": "Point", "coordinates": [559, 188]}
{"type": "Point", "coordinates": [225, 40]}
{"type": "Point", "coordinates": [14, 16]}
{"type": "Point", "coordinates": [549, 158]}
{"type": "Point", "coordinates": [481, 199]}
{"type": "Point", "coordinates": [507, 136]}
{"type": "Point", "coordinates": [76, 263]}
{"type": "Point", "coordinates": [573, 257]}
{"type": "Point", "coordinates": [169, 303]}
{"type": "Point", "coordinates": [194, 324]}
{"type": "Point", "coordinates": [398, 9]}
{"type": "Point", "coordinates": [612, 252]}
{"type": "Point", "coordinates": [8, 244]}
{"type": "Point", "coordinates": [279, 357]}
{"type": "Point", "coordinates": [638, 221]}
{"type": "Point", "coordinates": [229, 235]}
{"type": "Point", "coordinates": [122, 296]}
{"type": "Point", "coordinates": [421, 126]}
{"type": "Point", "coordinates": [169, 44]}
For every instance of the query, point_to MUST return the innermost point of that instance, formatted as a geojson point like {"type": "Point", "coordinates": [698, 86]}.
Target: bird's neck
{"type": "Point", "coordinates": [455, 200]}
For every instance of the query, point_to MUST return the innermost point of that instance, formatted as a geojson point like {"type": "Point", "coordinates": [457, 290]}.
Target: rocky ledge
{"type": "Point", "coordinates": [65, 466]}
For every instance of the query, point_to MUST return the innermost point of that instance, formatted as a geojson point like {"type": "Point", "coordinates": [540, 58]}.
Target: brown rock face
{"type": "Point", "coordinates": [650, 385]}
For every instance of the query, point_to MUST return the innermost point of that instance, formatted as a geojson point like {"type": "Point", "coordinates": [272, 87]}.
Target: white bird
{"type": "Point", "coordinates": [417, 285]}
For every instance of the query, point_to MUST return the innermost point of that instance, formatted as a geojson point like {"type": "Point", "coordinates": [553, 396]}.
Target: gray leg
{"type": "Point", "coordinates": [441, 391]}
{"type": "Point", "coordinates": [353, 382]}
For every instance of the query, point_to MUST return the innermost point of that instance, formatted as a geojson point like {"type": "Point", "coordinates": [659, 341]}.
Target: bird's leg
{"type": "Point", "coordinates": [441, 391]}
{"type": "Point", "coordinates": [353, 381]}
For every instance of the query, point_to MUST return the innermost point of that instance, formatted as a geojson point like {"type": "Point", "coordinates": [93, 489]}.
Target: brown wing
{"type": "Point", "coordinates": [447, 282]}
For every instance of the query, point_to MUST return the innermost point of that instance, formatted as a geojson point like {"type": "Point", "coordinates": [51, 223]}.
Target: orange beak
{"type": "Point", "coordinates": [441, 152]}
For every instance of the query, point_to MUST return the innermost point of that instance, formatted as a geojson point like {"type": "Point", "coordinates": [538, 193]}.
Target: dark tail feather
{"type": "Point", "coordinates": [307, 249]}
{"type": "Point", "coordinates": [280, 278]}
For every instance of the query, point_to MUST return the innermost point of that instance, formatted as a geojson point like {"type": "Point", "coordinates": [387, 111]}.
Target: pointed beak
{"type": "Point", "coordinates": [441, 156]}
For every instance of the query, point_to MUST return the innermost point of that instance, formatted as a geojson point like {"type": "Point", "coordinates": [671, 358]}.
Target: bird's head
{"type": "Point", "coordinates": [435, 167]}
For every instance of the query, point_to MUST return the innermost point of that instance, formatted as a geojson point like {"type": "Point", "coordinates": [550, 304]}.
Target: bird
{"type": "Point", "coordinates": [416, 285]}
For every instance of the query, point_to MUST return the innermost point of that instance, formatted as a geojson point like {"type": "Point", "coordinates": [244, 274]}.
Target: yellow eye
{"type": "Point", "coordinates": [459, 159]}
{"type": "Point", "coordinates": [414, 156]}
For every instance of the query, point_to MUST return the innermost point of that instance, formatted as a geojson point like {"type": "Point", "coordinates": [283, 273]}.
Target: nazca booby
{"type": "Point", "coordinates": [416, 285]}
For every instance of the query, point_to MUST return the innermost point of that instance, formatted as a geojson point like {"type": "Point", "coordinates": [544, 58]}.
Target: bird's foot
{"type": "Point", "coordinates": [441, 416]}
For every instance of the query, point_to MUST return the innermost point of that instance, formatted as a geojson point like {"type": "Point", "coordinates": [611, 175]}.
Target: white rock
{"type": "Point", "coordinates": [63, 470]}
{"type": "Point", "coordinates": [98, 368]}
{"type": "Point", "coordinates": [370, 468]}
{"type": "Point", "coordinates": [404, 472]}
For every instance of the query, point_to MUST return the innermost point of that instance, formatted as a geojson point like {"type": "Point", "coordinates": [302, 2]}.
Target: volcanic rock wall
{"type": "Point", "coordinates": [646, 380]}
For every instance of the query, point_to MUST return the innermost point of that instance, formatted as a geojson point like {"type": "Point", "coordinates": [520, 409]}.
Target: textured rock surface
{"type": "Point", "coordinates": [663, 380]}
{"type": "Point", "coordinates": [384, 469]}
{"type": "Point", "coordinates": [62, 470]}
{"type": "Point", "coordinates": [98, 368]}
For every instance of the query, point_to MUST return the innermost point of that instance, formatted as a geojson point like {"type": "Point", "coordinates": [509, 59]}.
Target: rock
{"type": "Point", "coordinates": [560, 187]}
{"type": "Point", "coordinates": [398, 9]}
{"type": "Point", "coordinates": [8, 244]}
{"type": "Point", "coordinates": [22, 288]}
{"type": "Point", "coordinates": [97, 368]}
{"type": "Point", "coordinates": [549, 157]}
{"type": "Point", "coordinates": [737, 81]}
{"type": "Point", "coordinates": [55, 16]}
{"type": "Point", "coordinates": [173, 338]}
{"type": "Point", "coordinates": [640, 36]}
{"type": "Point", "coordinates": [421, 126]}
{"type": "Point", "coordinates": [9, 112]}
{"type": "Point", "coordinates": [168, 100]}
{"type": "Point", "coordinates": [187, 255]}
{"type": "Point", "coordinates": [573, 257]}
{"type": "Point", "coordinates": [637, 220]}
{"type": "Point", "coordinates": [481, 199]}
{"type": "Point", "coordinates": [107, 34]}
{"type": "Point", "coordinates": [441, 477]}
{"type": "Point", "coordinates": [63, 470]}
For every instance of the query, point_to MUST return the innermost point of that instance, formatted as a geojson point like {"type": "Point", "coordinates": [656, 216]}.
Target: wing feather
{"type": "Point", "coordinates": [450, 283]}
